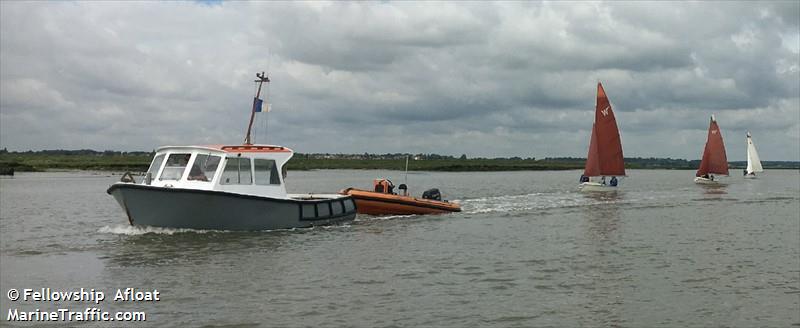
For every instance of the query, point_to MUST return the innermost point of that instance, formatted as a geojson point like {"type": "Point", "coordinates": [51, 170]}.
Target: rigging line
{"type": "Point", "coordinates": [268, 99]}
{"type": "Point", "coordinates": [255, 129]}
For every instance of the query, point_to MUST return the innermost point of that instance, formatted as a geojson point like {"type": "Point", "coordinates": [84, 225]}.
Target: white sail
{"type": "Point", "coordinates": [753, 162]}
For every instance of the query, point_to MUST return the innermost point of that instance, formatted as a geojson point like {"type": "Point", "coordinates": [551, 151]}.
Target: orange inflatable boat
{"type": "Point", "coordinates": [383, 201]}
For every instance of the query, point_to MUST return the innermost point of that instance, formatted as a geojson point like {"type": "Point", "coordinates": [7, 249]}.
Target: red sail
{"type": "Point", "coordinates": [605, 149]}
{"type": "Point", "coordinates": [714, 159]}
{"type": "Point", "coordinates": [593, 159]}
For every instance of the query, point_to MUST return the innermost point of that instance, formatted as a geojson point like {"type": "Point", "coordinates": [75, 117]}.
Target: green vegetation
{"type": "Point", "coordinates": [452, 165]}
{"type": "Point", "coordinates": [139, 161]}
{"type": "Point", "coordinates": [75, 160]}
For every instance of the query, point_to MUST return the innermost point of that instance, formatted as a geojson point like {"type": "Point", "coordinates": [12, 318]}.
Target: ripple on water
{"type": "Point", "coordinates": [666, 254]}
{"type": "Point", "coordinates": [362, 218]}
{"type": "Point", "coordinates": [130, 230]}
{"type": "Point", "coordinates": [511, 205]}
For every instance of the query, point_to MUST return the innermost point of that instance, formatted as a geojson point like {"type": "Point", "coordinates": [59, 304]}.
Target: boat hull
{"type": "Point", "coordinates": [750, 176]}
{"type": "Point", "coordinates": [594, 186]}
{"type": "Point", "coordinates": [217, 210]}
{"type": "Point", "coordinates": [705, 181]}
{"type": "Point", "coordinates": [375, 203]}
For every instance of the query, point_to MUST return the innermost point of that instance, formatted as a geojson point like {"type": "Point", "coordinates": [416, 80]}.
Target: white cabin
{"type": "Point", "coordinates": [256, 170]}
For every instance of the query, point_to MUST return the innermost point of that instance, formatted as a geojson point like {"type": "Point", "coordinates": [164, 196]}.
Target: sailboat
{"type": "Point", "coordinates": [714, 159]}
{"type": "Point", "coordinates": [753, 162]}
{"type": "Point", "coordinates": [605, 149]}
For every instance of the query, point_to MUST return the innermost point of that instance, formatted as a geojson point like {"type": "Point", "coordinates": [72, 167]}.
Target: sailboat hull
{"type": "Point", "coordinates": [595, 186]}
{"type": "Point", "coordinates": [750, 176]}
{"type": "Point", "coordinates": [704, 181]}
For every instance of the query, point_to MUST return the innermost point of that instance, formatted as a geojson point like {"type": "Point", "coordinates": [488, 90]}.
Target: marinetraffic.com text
{"type": "Point", "coordinates": [27, 304]}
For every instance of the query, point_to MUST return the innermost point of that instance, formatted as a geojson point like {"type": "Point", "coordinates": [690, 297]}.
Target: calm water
{"type": "Point", "coordinates": [528, 250]}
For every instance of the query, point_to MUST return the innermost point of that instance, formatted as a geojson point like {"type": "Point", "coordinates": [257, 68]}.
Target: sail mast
{"type": "Point", "coordinates": [749, 168]}
{"type": "Point", "coordinates": [261, 79]}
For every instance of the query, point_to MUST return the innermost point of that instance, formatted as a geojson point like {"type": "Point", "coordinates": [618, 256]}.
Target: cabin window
{"type": "Point", "coordinates": [349, 206]}
{"type": "Point", "coordinates": [176, 164]}
{"type": "Point", "coordinates": [154, 166]}
{"type": "Point", "coordinates": [266, 172]}
{"type": "Point", "coordinates": [237, 171]}
{"type": "Point", "coordinates": [308, 211]}
{"type": "Point", "coordinates": [204, 167]}
{"type": "Point", "coordinates": [338, 208]}
{"type": "Point", "coordinates": [323, 210]}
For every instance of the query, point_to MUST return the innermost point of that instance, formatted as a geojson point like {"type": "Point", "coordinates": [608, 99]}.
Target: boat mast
{"type": "Point", "coordinates": [406, 179]}
{"type": "Point", "coordinates": [261, 79]}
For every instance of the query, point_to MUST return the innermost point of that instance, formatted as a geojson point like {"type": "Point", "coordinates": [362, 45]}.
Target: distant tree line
{"type": "Point", "coordinates": [82, 152]}
{"type": "Point", "coordinates": [88, 158]}
{"type": "Point", "coordinates": [638, 162]}
{"type": "Point", "coordinates": [369, 156]}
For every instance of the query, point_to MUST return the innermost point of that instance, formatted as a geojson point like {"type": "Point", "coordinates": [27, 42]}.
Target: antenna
{"type": "Point", "coordinates": [261, 79]}
{"type": "Point", "coordinates": [406, 179]}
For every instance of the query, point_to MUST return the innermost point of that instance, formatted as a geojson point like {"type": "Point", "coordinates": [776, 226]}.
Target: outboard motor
{"type": "Point", "coordinates": [404, 188]}
{"type": "Point", "coordinates": [433, 194]}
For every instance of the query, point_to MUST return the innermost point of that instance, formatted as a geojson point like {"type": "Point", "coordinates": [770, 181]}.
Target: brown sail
{"type": "Point", "coordinates": [592, 168]}
{"type": "Point", "coordinates": [714, 159]}
{"type": "Point", "coordinates": [605, 148]}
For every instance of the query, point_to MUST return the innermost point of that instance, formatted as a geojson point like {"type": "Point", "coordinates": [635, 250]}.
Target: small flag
{"type": "Point", "coordinates": [258, 103]}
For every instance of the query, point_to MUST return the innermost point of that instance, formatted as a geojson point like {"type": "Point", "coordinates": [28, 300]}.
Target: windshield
{"type": "Point", "coordinates": [204, 167]}
{"type": "Point", "coordinates": [176, 164]}
{"type": "Point", "coordinates": [155, 166]}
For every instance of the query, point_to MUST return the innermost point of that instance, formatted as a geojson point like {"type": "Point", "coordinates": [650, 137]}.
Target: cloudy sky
{"type": "Point", "coordinates": [478, 78]}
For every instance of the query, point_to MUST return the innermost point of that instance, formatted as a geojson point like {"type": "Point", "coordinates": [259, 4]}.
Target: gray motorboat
{"type": "Point", "coordinates": [237, 187]}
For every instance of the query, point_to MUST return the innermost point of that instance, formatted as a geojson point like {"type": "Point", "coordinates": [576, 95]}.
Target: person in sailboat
{"type": "Point", "coordinates": [613, 182]}
{"type": "Point", "coordinates": [584, 178]}
{"type": "Point", "coordinates": [603, 181]}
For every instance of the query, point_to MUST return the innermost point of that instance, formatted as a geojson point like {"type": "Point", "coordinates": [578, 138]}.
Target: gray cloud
{"type": "Point", "coordinates": [484, 79]}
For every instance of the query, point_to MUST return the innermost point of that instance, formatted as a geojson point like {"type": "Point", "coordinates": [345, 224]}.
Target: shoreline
{"type": "Point", "coordinates": [37, 162]}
